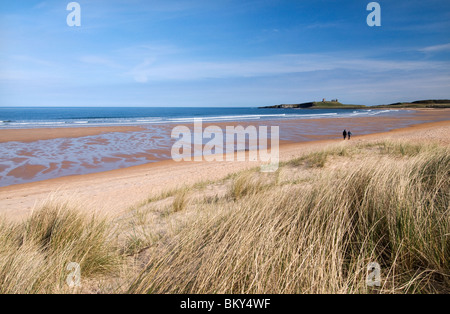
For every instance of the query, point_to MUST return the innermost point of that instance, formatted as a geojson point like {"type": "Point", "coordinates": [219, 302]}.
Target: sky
{"type": "Point", "coordinates": [222, 53]}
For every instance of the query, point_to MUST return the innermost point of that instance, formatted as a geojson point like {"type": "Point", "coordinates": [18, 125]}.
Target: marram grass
{"type": "Point", "coordinates": [319, 237]}
{"type": "Point", "coordinates": [34, 254]}
{"type": "Point", "coordinates": [312, 227]}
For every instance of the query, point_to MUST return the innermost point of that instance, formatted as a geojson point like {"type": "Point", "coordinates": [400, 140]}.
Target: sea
{"type": "Point", "coordinates": [39, 117]}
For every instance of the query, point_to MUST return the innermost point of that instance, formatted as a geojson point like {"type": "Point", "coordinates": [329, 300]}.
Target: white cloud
{"type": "Point", "coordinates": [436, 48]}
{"type": "Point", "coordinates": [102, 61]}
{"type": "Point", "coordinates": [270, 66]}
{"type": "Point", "coordinates": [41, 5]}
{"type": "Point", "coordinates": [25, 59]}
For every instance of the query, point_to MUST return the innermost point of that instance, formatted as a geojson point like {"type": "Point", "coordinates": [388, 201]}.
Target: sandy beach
{"type": "Point", "coordinates": [116, 191]}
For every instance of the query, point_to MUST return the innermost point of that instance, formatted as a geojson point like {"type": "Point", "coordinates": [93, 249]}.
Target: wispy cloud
{"type": "Point", "coordinates": [436, 48]}
{"type": "Point", "coordinates": [33, 60]}
{"type": "Point", "coordinates": [270, 66]}
{"type": "Point", "coordinates": [101, 61]}
{"type": "Point", "coordinates": [41, 5]}
{"type": "Point", "coordinates": [325, 25]}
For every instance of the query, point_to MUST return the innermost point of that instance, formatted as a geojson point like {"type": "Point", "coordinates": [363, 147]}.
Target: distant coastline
{"type": "Point", "coordinates": [433, 103]}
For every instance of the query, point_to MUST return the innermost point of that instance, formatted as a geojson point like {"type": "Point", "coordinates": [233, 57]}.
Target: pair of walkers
{"type": "Point", "coordinates": [347, 134]}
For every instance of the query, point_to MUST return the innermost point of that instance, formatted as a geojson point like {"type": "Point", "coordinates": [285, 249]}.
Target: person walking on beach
{"type": "Point", "coordinates": [344, 134]}
{"type": "Point", "coordinates": [349, 135]}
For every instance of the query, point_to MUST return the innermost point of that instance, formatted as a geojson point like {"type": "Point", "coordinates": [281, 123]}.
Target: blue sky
{"type": "Point", "coordinates": [222, 52]}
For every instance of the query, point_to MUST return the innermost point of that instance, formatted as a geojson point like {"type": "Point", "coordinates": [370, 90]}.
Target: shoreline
{"type": "Point", "coordinates": [36, 134]}
{"type": "Point", "coordinates": [117, 190]}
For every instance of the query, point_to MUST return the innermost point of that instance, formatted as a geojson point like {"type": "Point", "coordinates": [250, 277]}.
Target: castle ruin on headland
{"type": "Point", "coordinates": [333, 100]}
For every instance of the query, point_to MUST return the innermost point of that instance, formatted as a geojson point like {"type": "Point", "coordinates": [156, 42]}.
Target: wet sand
{"type": "Point", "coordinates": [31, 135]}
{"type": "Point", "coordinates": [41, 154]}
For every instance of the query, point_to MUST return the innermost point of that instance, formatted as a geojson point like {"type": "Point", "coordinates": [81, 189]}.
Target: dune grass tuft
{"type": "Point", "coordinates": [180, 201]}
{"type": "Point", "coordinates": [35, 253]}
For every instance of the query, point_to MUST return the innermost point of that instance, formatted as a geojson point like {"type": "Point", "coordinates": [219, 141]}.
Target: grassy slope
{"type": "Point", "coordinates": [320, 105]}
{"type": "Point", "coordinates": [338, 105]}
{"type": "Point", "coordinates": [419, 104]}
{"type": "Point", "coordinates": [311, 227]}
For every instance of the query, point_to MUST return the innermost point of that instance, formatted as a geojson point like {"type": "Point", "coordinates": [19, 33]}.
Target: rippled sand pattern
{"type": "Point", "coordinates": [45, 159]}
